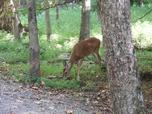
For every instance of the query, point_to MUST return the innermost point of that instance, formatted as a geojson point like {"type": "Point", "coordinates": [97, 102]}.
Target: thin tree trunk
{"type": "Point", "coordinates": [47, 19]}
{"type": "Point", "coordinates": [57, 12]}
{"type": "Point", "coordinates": [85, 20]}
{"type": "Point", "coordinates": [16, 21]}
{"type": "Point", "coordinates": [23, 3]}
{"type": "Point", "coordinates": [34, 49]}
{"type": "Point", "coordinates": [122, 70]}
{"type": "Point", "coordinates": [140, 2]}
{"type": "Point", "coordinates": [1, 3]}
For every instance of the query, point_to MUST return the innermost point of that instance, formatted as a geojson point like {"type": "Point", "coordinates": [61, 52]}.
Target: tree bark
{"type": "Point", "coordinates": [16, 20]}
{"type": "Point", "coordinates": [5, 16]}
{"type": "Point", "coordinates": [140, 2]}
{"type": "Point", "coordinates": [85, 20]}
{"type": "Point", "coordinates": [57, 12]}
{"type": "Point", "coordinates": [23, 3]}
{"type": "Point", "coordinates": [47, 19]}
{"type": "Point", "coordinates": [122, 70]}
{"type": "Point", "coordinates": [1, 3]}
{"type": "Point", "coordinates": [34, 49]}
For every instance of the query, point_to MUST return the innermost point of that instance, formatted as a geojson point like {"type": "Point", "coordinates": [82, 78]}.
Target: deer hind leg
{"type": "Point", "coordinates": [78, 69]}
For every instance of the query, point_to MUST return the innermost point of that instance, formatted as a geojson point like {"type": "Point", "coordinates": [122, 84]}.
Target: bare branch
{"type": "Point", "coordinates": [143, 16]}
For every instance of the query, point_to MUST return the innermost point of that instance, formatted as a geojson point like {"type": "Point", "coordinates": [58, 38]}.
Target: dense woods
{"type": "Point", "coordinates": [97, 53]}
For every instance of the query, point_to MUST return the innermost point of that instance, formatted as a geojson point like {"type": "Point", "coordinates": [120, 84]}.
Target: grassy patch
{"type": "Point", "coordinates": [144, 61]}
{"type": "Point", "coordinates": [60, 83]}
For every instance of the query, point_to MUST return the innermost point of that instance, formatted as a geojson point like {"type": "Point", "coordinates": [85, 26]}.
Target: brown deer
{"type": "Point", "coordinates": [81, 50]}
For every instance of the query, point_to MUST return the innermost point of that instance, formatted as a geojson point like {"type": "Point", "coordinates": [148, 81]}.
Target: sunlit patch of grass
{"type": "Point", "coordinates": [142, 34]}
{"type": "Point", "coordinates": [4, 36]}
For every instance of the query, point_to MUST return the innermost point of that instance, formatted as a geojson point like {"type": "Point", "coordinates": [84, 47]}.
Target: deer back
{"type": "Point", "coordinates": [84, 48]}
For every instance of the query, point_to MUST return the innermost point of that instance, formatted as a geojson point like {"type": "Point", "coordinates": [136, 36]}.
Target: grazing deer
{"type": "Point", "coordinates": [81, 50]}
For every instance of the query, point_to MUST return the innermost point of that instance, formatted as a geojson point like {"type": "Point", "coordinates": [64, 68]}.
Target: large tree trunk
{"type": "Point", "coordinates": [34, 48]}
{"type": "Point", "coordinates": [122, 70]}
{"type": "Point", "coordinates": [47, 19]}
{"type": "Point", "coordinates": [85, 20]}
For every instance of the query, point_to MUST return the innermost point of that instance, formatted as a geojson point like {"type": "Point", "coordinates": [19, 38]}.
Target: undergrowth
{"type": "Point", "coordinates": [14, 54]}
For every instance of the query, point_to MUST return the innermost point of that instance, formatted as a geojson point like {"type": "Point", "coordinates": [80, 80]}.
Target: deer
{"type": "Point", "coordinates": [81, 50]}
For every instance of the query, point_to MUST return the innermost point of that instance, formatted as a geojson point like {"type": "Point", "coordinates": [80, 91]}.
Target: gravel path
{"type": "Point", "coordinates": [18, 99]}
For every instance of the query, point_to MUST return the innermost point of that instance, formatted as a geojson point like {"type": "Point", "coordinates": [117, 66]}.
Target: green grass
{"type": "Point", "coordinates": [144, 61]}
{"type": "Point", "coordinates": [61, 83]}
{"type": "Point", "coordinates": [14, 54]}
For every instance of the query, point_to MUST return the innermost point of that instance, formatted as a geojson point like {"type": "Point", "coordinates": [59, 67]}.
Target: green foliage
{"type": "Point", "coordinates": [52, 69]}
{"type": "Point", "coordinates": [65, 34]}
{"type": "Point", "coordinates": [48, 50]}
{"type": "Point", "coordinates": [19, 72]}
{"type": "Point", "coordinates": [142, 27]}
{"type": "Point", "coordinates": [138, 12]}
{"type": "Point", "coordinates": [13, 51]}
{"type": "Point", "coordinates": [145, 2]}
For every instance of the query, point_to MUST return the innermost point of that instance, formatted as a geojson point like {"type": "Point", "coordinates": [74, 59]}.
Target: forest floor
{"type": "Point", "coordinates": [16, 98]}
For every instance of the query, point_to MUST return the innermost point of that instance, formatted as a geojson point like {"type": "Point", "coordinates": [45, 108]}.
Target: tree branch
{"type": "Point", "coordinates": [143, 16]}
{"type": "Point", "coordinates": [57, 4]}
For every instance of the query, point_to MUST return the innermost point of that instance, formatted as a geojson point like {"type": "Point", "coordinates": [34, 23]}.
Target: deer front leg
{"type": "Point", "coordinates": [66, 71]}
{"type": "Point", "coordinates": [98, 58]}
{"type": "Point", "coordinates": [78, 69]}
{"type": "Point", "coordinates": [100, 61]}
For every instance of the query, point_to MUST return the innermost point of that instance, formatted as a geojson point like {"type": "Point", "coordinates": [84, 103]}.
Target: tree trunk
{"type": "Point", "coordinates": [122, 70]}
{"type": "Point", "coordinates": [140, 2]}
{"type": "Point", "coordinates": [1, 3]}
{"type": "Point", "coordinates": [34, 49]}
{"type": "Point", "coordinates": [15, 21]}
{"type": "Point", "coordinates": [23, 3]}
{"type": "Point", "coordinates": [5, 16]}
{"type": "Point", "coordinates": [47, 19]}
{"type": "Point", "coordinates": [57, 12]}
{"type": "Point", "coordinates": [85, 20]}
